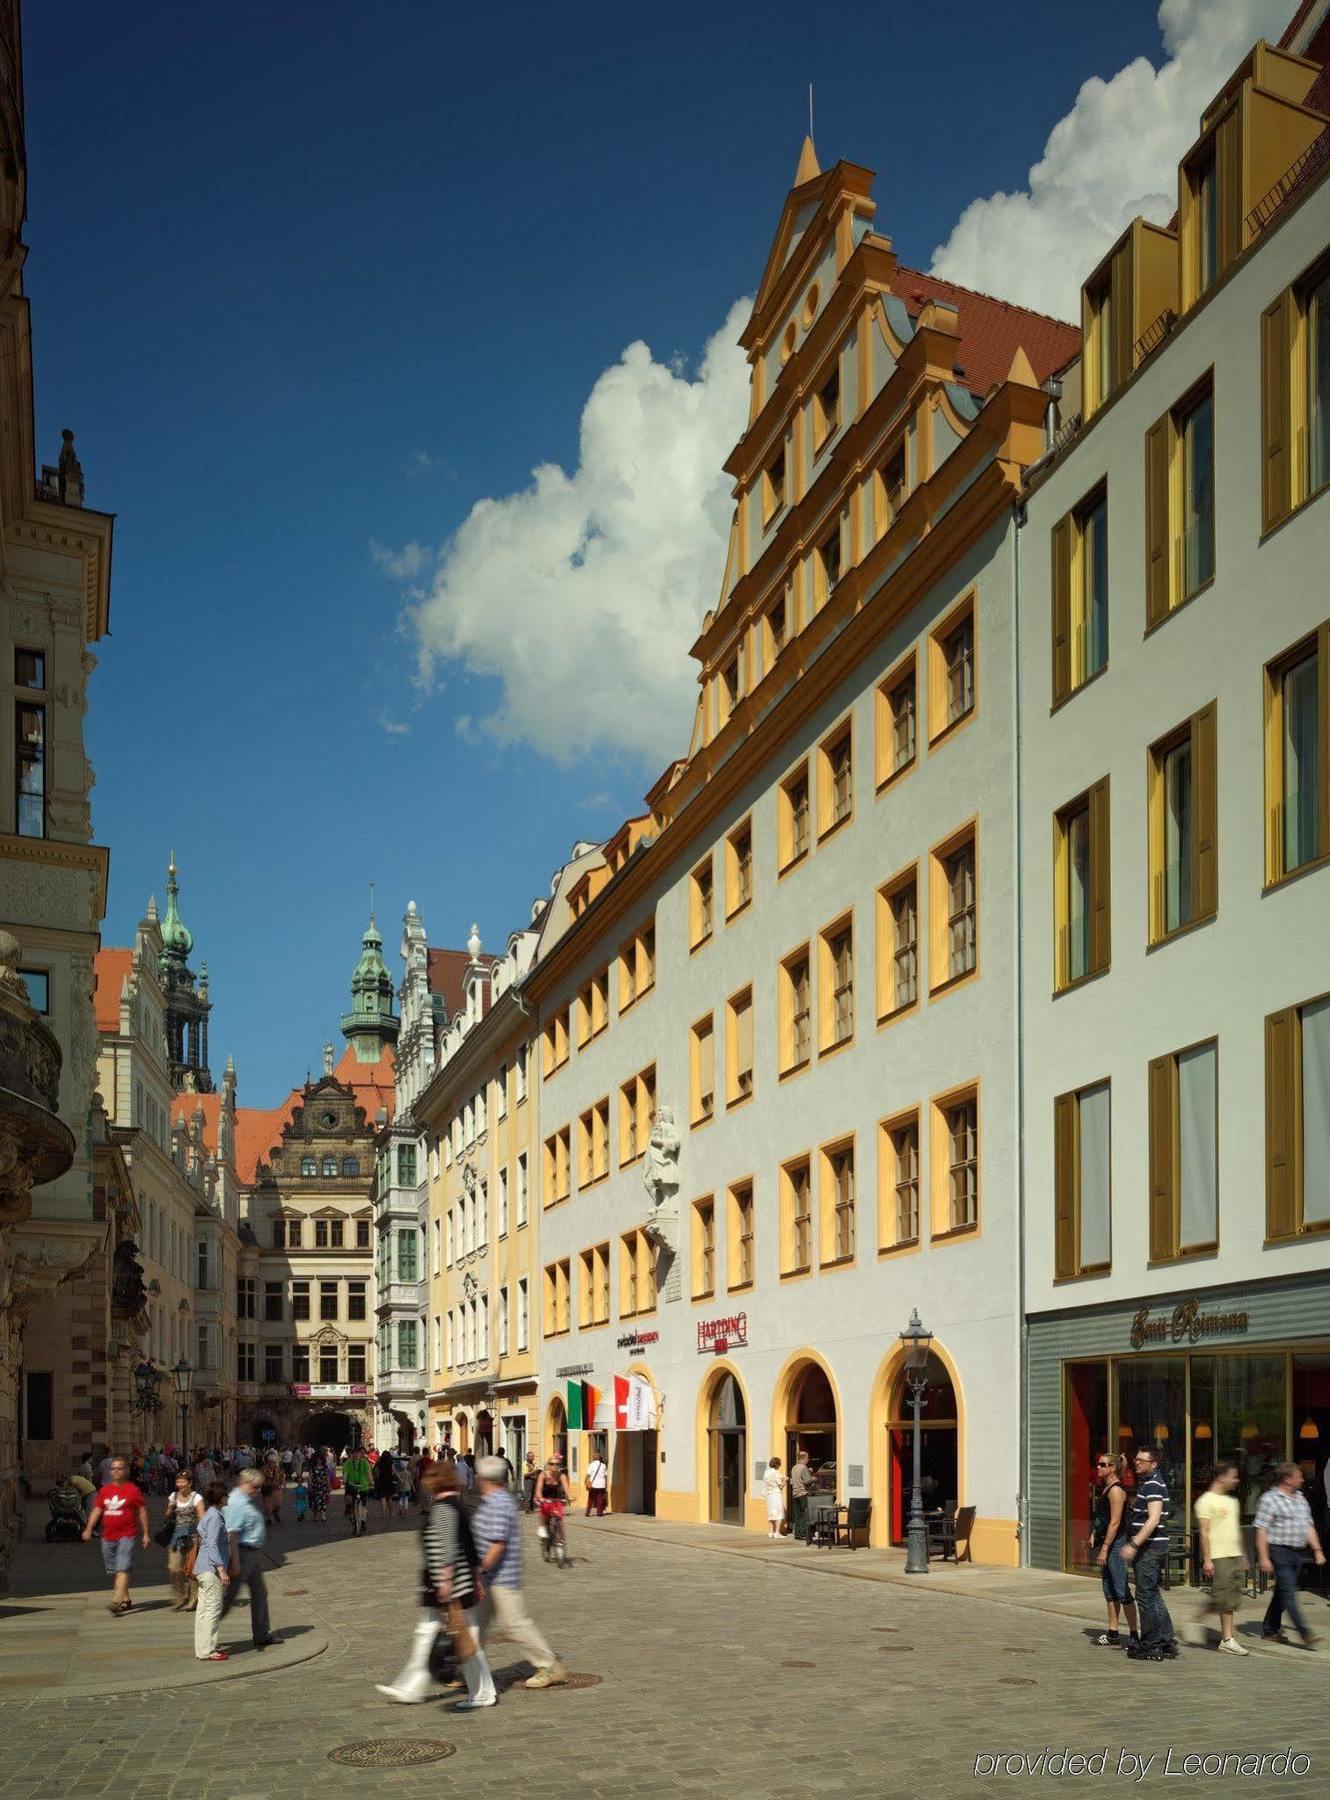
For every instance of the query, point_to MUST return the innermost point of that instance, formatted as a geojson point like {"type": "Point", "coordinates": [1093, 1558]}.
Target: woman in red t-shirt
{"type": "Point", "coordinates": [123, 1513]}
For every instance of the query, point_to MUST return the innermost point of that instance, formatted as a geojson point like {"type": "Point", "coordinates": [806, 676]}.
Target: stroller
{"type": "Point", "coordinates": [66, 1506]}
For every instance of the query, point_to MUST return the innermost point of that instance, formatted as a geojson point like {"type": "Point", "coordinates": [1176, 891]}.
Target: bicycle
{"type": "Point", "coordinates": [359, 1509]}
{"type": "Point", "coordinates": [553, 1540]}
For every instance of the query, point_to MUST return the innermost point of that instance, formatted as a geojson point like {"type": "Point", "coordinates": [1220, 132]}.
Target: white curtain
{"type": "Point", "coordinates": [1094, 1111]}
{"type": "Point", "coordinates": [1316, 1112]}
{"type": "Point", "coordinates": [1196, 1136]}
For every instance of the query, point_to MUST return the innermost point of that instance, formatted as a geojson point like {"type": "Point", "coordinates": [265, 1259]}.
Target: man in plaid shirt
{"type": "Point", "coordinates": [1284, 1530]}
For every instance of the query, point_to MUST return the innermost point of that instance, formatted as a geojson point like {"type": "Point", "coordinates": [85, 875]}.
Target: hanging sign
{"type": "Point", "coordinates": [1185, 1321]}
{"type": "Point", "coordinates": [634, 1404]}
{"type": "Point", "coordinates": [716, 1336]}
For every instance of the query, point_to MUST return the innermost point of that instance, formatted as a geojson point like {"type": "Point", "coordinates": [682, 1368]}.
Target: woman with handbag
{"type": "Point", "coordinates": [184, 1510]}
{"type": "Point", "coordinates": [450, 1596]}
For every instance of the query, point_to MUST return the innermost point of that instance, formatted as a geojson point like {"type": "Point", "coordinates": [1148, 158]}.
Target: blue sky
{"type": "Point", "coordinates": [308, 279]}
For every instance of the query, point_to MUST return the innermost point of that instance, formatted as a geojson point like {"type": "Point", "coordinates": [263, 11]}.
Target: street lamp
{"type": "Point", "coordinates": [916, 1340]}
{"type": "Point", "coordinates": [183, 1376]}
{"type": "Point", "coordinates": [147, 1382]}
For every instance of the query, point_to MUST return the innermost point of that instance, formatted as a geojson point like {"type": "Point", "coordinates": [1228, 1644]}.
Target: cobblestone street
{"type": "Point", "coordinates": [743, 1673]}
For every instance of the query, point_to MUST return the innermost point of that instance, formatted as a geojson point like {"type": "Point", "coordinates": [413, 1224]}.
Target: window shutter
{"type": "Point", "coordinates": [1228, 174]}
{"type": "Point", "coordinates": [1162, 1160]}
{"type": "Point", "coordinates": [1157, 544]}
{"type": "Point", "coordinates": [1062, 547]}
{"type": "Point", "coordinates": [1276, 464]}
{"type": "Point", "coordinates": [1065, 1260]}
{"type": "Point", "coordinates": [1205, 796]}
{"type": "Point", "coordinates": [1124, 315]}
{"type": "Point", "coordinates": [1281, 1124]}
{"type": "Point", "coordinates": [1101, 942]}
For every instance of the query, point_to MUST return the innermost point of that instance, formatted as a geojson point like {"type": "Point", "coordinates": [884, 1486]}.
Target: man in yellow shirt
{"type": "Point", "coordinates": [1223, 1561]}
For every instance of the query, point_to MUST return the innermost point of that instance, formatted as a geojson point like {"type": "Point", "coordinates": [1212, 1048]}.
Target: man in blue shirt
{"type": "Point", "coordinates": [1147, 1547]}
{"type": "Point", "coordinates": [247, 1530]}
{"type": "Point", "coordinates": [497, 1530]}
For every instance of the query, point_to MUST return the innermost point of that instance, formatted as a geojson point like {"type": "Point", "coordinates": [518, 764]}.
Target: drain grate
{"type": "Point", "coordinates": [391, 1753]}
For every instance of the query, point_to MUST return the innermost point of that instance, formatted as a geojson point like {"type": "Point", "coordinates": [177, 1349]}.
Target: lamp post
{"type": "Point", "coordinates": [916, 1340]}
{"type": "Point", "coordinates": [147, 1382]}
{"type": "Point", "coordinates": [183, 1376]}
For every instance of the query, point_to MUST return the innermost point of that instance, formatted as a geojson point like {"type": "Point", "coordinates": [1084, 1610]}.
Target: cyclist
{"type": "Point", "coordinates": [359, 1479]}
{"type": "Point", "coordinates": [553, 1499]}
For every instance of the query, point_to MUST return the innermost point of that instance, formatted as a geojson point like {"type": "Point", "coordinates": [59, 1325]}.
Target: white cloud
{"type": "Point", "coordinates": [404, 564]}
{"type": "Point", "coordinates": [582, 592]}
{"type": "Point", "coordinates": [1111, 157]}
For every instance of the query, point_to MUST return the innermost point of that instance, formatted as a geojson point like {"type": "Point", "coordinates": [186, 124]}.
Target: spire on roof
{"type": "Point", "coordinates": [808, 163]}
{"type": "Point", "coordinates": [1021, 374]}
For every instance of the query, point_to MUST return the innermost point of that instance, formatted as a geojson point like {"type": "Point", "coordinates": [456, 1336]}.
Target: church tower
{"type": "Point", "coordinates": [371, 1026]}
{"type": "Point", "coordinates": [187, 1002]}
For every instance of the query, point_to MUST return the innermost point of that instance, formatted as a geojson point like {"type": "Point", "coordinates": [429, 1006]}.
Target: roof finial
{"type": "Point", "coordinates": [809, 167]}
{"type": "Point", "coordinates": [371, 902]}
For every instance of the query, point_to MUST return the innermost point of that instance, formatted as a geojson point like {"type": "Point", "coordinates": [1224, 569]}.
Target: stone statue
{"type": "Point", "coordinates": [129, 1296]}
{"type": "Point", "coordinates": [660, 1177]}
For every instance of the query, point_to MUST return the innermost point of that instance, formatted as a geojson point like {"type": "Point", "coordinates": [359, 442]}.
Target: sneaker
{"type": "Point", "coordinates": [475, 1705]}
{"type": "Point", "coordinates": [1112, 1638]}
{"type": "Point", "coordinates": [554, 1676]}
{"type": "Point", "coordinates": [1231, 1647]}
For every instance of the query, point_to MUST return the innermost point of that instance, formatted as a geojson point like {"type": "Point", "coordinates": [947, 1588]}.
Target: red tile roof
{"type": "Point", "coordinates": [992, 330]}
{"type": "Point", "coordinates": [184, 1106]}
{"type": "Point", "coordinates": [259, 1132]}
{"type": "Point", "coordinates": [373, 1083]}
{"type": "Point", "coordinates": [445, 970]}
{"type": "Point", "coordinates": [109, 969]}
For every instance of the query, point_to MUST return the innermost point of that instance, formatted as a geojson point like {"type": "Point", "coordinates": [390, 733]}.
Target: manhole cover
{"type": "Point", "coordinates": [573, 1681]}
{"type": "Point", "coordinates": [1016, 1681]}
{"type": "Point", "coordinates": [391, 1753]}
{"type": "Point", "coordinates": [798, 1665]}
{"type": "Point", "coordinates": [513, 1681]}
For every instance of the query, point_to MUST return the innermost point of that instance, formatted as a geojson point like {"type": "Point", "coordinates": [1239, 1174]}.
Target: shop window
{"type": "Point", "coordinates": [835, 761]}
{"type": "Point", "coordinates": [1297, 757]}
{"type": "Point", "coordinates": [1183, 806]}
{"type": "Point", "coordinates": [897, 722]}
{"type": "Point", "coordinates": [701, 905]}
{"type": "Point", "coordinates": [898, 1173]}
{"type": "Point", "coordinates": [836, 976]}
{"type": "Point", "coordinates": [955, 1167]}
{"type": "Point", "coordinates": [1082, 1182]}
{"type": "Point", "coordinates": [739, 1048]}
{"type": "Point", "coordinates": [898, 944]}
{"type": "Point", "coordinates": [739, 869]}
{"type": "Point", "coordinates": [1180, 503]}
{"type": "Point", "coordinates": [1080, 595]}
{"type": "Point", "coordinates": [1184, 1170]}
{"type": "Point", "coordinates": [952, 688]}
{"type": "Point", "coordinates": [953, 909]}
{"type": "Point", "coordinates": [1297, 1120]}
{"type": "Point", "coordinates": [1082, 933]}
{"type": "Point", "coordinates": [796, 1002]}
{"type": "Point", "coordinates": [704, 1248]}
{"type": "Point", "coordinates": [838, 1200]}
{"type": "Point", "coordinates": [702, 1068]}
{"type": "Point", "coordinates": [792, 819]}
{"type": "Point", "coordinates": [796, 1180]}
{"type": "Point", "coordinates": [741, 1268]}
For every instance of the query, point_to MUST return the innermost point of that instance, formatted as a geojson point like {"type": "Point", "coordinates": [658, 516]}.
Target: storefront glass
{"type": "Point", "coordinates": [1311, 1429]}
{"type": "Point", "coordinates": [1152, 1415]}
{"type": "Point", "coordinates": [1086, 1414]}
{"type": "Point", "coordinates": [1238, 1414]}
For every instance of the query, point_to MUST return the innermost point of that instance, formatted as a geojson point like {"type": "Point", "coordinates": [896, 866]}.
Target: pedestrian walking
{"type": "Point", "coordinates": [498, 1534]}
{"type": "Point", "coordinates": [801, 1486]}
{"type": "Point", "coordinates": [300, 1497]}
{"type": "Point", "coordinates": [449, 1598]}
{"type": "Point", "coordinates": [530, 1475]}
{"type": "Point", "coordinates": [359, 1480]}
{"type": "Point", "coordinates": [212, 1572]}
{"type": "Point", "coordinates": [773, 1487]}
{"type": "Point", "coordinates": [184, 1510]}
{"type": "Point", "coordinates": [1223, 1560]}
{"type": "Point", "coordinates": [247, 1531]}
{"type": "Point", "coordinates": [597, 1486]}
{"type": "Point", "coordinates": [405, 1485]}
{"type": "Point", "coordinates": [274, 1488]}
{"type": "Point", "coordinates": [123, 1514]}
{"type": "Point", "coordinates": [385, 1484]}
{"type": "Point", "coordinates": [1146, 1550]}
{"type": "Point", "coordinates": [318, 1484]}
{"type": "Point", "coordinates": [1108, 1533]}
{"type": "Point", "coordinates": [1284, 1534]}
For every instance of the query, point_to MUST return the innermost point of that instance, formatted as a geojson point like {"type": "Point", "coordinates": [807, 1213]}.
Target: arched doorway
{"type": "Point", "coordinates": [939, 1470]}
{"type": "Point", "coordinates": [556, 1431]}
{"type": "Point", "coordinates": [811, 1424]}
{"type": "Point", "coordinates": [727, 1451]}
{"type": "Point", "coordinates": [335, 1429]}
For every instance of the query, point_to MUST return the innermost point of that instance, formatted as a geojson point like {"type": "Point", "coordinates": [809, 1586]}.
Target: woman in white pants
{"type": "Point", "coordinates": [450, 1586]}
{"type": "Point", "coordinates": [212, 1573]}
{"type": "Point", "coordinates": [773, 1487]}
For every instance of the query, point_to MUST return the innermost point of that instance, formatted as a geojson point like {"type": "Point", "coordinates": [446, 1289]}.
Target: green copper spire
{"type": "Point", "coordinates": [177, 938]}
{"type": "Point", "coordinates": [371, 1025]}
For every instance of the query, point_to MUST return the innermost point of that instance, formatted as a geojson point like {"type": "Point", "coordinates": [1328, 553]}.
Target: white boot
{"type": "Point", "coordinates": [479, 1681]}
{"type": "Point", "coordinates": [415, 1682]}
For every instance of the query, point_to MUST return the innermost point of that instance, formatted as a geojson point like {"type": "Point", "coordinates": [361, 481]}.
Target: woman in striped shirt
{"type": "Point", "coordinates": [450, 1580]}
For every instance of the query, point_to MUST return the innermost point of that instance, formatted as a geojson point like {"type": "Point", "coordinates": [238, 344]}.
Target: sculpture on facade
{"type": "Point", "coordinates": [129, 1296]}
{"type": "Point", "coordinates": [660, 1177]}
